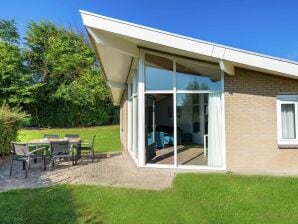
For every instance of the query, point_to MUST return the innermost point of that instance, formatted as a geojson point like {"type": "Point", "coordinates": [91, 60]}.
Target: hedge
{"type": "Point", "coordinates": [11, 120]}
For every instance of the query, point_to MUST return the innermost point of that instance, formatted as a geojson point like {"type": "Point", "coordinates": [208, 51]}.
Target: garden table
{"type": "Point", "coordinates": [47, 141]}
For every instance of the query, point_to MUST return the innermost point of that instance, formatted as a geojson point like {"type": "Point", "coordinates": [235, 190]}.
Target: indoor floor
{"type": "Point", "coordinates": [187, 155]}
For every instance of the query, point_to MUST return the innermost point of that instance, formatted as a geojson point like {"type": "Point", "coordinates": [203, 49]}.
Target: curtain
{"type": "Point", "coordinates": [288, 121]}
{"type": "Point", "coordinates": [215, 138]}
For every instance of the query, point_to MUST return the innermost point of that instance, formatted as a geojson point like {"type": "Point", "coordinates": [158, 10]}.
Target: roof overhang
{"type": "Point", "coordinates": [117, 42]}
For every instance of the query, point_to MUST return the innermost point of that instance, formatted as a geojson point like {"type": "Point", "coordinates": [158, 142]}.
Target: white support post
{"type": "Point", "coordinates": [141, 111]}
{"type": "Point", "coordinates": [175, 115]}
{"type": "Point", "coordinates": [129, 119]}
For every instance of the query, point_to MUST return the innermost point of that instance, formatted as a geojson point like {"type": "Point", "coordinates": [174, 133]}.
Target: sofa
{"type": "Point", "coordinates": [164, 135]}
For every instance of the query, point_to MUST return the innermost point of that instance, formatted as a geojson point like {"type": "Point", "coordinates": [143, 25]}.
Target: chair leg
{"type": "Point", "coordinates": [10, 173]}
{"type": "Point", "coordinates": [51, 163]}
{"type": "Point", "coordinates": [44, 158]}
{"type": "Point", "coordinates": [29, 163]}
{"type": "Point", "coordinates": [93, 156]}
{"type": "Point", "coordinates": [27, 168]}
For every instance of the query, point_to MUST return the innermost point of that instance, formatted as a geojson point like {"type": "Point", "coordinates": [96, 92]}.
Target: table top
{"type": "Point", "coordinates": [49, 140]}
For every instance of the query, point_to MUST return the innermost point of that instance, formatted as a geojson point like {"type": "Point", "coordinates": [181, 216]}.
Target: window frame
{"type": "Point", "coordinates": [286, 99]}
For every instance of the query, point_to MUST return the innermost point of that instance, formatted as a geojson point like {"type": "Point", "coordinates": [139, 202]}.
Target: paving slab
{"type": "Point", "coordinates": [116, 170]}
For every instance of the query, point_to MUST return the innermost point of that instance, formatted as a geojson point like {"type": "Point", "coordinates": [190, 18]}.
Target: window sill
{"type": "Point", "coordinates": [288, 146]}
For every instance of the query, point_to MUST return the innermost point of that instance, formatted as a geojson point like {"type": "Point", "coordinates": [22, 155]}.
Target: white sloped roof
{"type": "Point", "coordinates": [117, 42]}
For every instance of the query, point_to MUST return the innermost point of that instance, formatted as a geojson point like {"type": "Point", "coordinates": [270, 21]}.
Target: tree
{"type": "Point", "coordinates": [55, 53]}
{"type": "Point", "coordinates": [54, 77]}
{"type": "Point", "coordinates": [73, 92]}
{"type": "Point", "coordinates": [9, 32]}
{"type": "Point", "coordinates": [10, 59]}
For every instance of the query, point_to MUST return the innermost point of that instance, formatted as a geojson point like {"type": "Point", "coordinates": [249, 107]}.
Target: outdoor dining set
{"type": "Point", "coordinates": [51, 149]}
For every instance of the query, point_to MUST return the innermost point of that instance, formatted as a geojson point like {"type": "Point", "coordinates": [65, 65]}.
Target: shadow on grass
{"type": "Point", "coordinates": [194, 198]}
{"type": "Point", "coordinates": [46, 205]}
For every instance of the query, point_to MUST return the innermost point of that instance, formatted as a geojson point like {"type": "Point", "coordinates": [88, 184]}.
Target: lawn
{"type": "Point", "coordinates": [194, 198]}
{"type": "Point", "coordinates": [107, 137]}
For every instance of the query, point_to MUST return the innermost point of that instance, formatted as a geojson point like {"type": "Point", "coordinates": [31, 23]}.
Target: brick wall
{"type": "Point", "coordinates": [251, 123]}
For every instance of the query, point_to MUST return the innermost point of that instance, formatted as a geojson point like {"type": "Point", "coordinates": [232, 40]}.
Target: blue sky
{"type": "Point", "coordinates": [264, 26]}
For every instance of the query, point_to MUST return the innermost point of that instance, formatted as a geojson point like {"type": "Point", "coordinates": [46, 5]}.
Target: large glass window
{"type": "Point", "coordinates": [192, 76]}
{"type": "Point", "coordinates": [158, 73]}
{"type": "Point", "coordinates": [182, 103]}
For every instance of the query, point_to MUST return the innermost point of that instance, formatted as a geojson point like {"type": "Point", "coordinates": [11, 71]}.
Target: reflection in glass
{"type": "Point", "coordinates": [191, 129]}
{"type": "Point", "coordinates": [159, 128]}
{"type": "Point", "coordinates": [191, 76]}
{"type": "Point", "coordinates": [158, 73]}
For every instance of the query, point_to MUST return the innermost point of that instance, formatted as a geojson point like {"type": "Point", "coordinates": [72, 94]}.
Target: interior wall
{"type": "Point", "coordinates": [162, 113]}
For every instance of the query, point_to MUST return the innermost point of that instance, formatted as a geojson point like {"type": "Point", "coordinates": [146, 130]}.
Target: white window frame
{"type": "Point", "coordinates": [174, 91]}
{"type": "Point", "coordinates": [286, 99]}
{"type": "Point", "coordinates": [132, 111]}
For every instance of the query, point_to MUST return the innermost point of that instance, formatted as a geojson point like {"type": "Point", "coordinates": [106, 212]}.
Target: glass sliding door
{"type": "Point", "coordinates": [159, 128]}
{"type": "Point", "coordinates": [191, 129]}
{"type": "Point", "coordinates": [198, 105]}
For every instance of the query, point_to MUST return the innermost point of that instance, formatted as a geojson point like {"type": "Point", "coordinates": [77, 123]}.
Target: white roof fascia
{"type": "Point", "coordinates": [222, 53]}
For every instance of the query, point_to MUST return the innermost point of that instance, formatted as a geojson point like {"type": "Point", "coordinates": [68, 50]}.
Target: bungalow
{"type": "Point", "coordinates": [192, 104]}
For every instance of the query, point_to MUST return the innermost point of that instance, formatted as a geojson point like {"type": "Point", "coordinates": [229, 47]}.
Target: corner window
{"type": "Point", "coordinates": [287, 119]}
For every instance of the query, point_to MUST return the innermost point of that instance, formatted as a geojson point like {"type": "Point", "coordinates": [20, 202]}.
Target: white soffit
{"type": "Point", "coordinates": [124, 38]}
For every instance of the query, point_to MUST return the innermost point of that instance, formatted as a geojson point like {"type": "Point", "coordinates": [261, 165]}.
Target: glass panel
{"type": "Point", "coordinates": [158, 73]}
{"type": "Point", "coordinates": [159, 128]}
{"type": "Point", "coordinates": [192, 76]}
{"type": "Point", "coordinates": [190, 129]}
{"type": "Point", "coordinates": [135, 126]}
{"type": "Point", "coordinates": [288, 121]}
{"type": "Point", "coordinates": [196, 118]}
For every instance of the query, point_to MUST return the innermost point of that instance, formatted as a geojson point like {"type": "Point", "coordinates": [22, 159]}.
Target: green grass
{"type": "Point", "coordinates": [107, 137]}
{"type": "Point", "coordinates": [194, 198]}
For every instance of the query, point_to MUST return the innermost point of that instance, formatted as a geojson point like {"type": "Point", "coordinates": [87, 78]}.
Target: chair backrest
{"type": "Point", "coordinates": [72, 136]}
{"type": "Point", "coordinates": [20, 149]}
{"type": "Point", "coordinates": [60, 147]}
{"type": "Point", "coordinates": [51, 136]}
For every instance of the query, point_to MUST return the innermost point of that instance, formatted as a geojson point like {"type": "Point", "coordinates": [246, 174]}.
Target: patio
{"type": "Point", "coordinates": [110, 169]}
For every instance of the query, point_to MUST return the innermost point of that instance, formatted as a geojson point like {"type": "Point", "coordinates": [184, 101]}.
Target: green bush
{"type": "Point", "coordinates": [11, 120]}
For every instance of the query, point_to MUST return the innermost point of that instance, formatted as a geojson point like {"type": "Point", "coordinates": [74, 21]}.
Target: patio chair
{"type": "Point", "coordinates": [50, 136]}
{"type": "Point", "coordinates": [60, 150]}
{"type": "Point", "coordinates": [88, 146]}
{"type": "Point", "coordinates": [72, 136]}
{"type": "Point", "coordinates": [21, 152]}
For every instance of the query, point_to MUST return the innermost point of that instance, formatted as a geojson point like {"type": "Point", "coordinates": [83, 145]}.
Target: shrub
{"type": "Point", "coordinates": [11, 120]}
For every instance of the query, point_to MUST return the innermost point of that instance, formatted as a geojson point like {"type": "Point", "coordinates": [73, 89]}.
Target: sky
{"type": "Point", "coordinates": [264, 26]}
